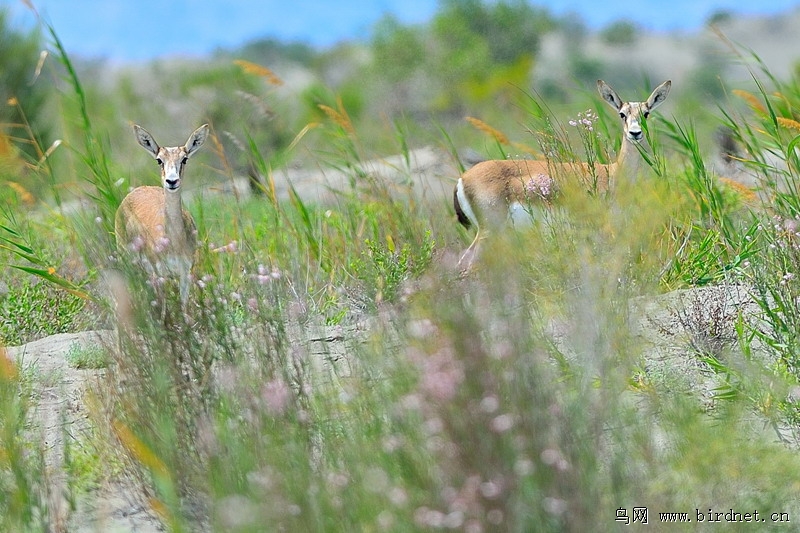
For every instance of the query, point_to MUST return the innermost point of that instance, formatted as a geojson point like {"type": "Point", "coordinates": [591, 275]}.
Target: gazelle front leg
{"type": "Point", "coordinates": [470, 254]}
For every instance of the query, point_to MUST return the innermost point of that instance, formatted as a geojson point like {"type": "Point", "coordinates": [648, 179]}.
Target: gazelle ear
{"type": "Point", "coordinates": [659, 94]}
{"type": "Point", "coordinates": [609, 95]}
{"type": "Point", "coordinates": [146, 140]}
{"type": "Point", "coordinates": [196, 139]}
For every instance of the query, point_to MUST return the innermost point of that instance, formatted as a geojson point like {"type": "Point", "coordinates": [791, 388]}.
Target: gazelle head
{"type": "Point", "coordinates": [632, 113]}
{"type": "Point", "coordinates": [172, 160]}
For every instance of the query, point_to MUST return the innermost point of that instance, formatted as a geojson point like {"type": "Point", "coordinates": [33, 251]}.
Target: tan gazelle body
{"type": "Point", "coordinates": [152, 222]}
{"type": "Point", "coordinates": [496, 192]}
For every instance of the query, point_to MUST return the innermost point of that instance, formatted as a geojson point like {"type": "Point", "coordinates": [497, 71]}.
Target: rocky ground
{"type": "Point", "coordinates": [670, 327]}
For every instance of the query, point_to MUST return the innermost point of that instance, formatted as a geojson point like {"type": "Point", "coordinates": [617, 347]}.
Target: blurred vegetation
{"type": "Point", "coordinates": [24, 123]}
{"type": "Point", "coordinates": [620, 33]}
{"type": "Point", "coordinates": [332, 361]}
{"type": "Point", "coordinates": [23, 100]}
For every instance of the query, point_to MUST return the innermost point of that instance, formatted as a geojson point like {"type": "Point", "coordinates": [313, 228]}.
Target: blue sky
{"type": "Point", "coordinates": [137, 30]}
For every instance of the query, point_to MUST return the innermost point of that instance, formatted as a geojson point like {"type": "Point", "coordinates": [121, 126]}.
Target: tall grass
{"type": "Point", "coordinates": [333, 373]}
{"type": "Point", "coordinates": [24, 506]}
{"type": "Point", "coordinates": [769, 137]}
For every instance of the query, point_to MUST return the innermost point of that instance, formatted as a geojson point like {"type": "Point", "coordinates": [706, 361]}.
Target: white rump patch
{"type": "Point", "coordinates": [463, 201]}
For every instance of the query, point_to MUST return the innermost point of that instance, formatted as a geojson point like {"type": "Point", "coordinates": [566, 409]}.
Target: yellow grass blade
{"type": "Point", "coordinates": [488, 130]}
{"type": "Point", "coordinates": [789, 123]}
{"type": "Point", "coordinates": [746, 193]}
{"type": "Point", "coordinates": [297, 138]}
{"type": "Point", "coordinates": [6, 150]}
{"type": "Point", "coordinates": [26, 197]}
{"type": "Point", "coordinates": [258, 70]}
{"type": "Point", "coordinates": [339, 116]}
{"type": "Point", "coordinates": [160, 509]}
{"type": "Point", "coordinates": [139, 450]}
{"type": "Point", "coordinates": [751, 100]}
{"type": "Point", "coordinates": [8, 370]}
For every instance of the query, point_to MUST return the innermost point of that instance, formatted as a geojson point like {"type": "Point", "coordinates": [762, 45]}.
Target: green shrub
{"type": "Point", "coordinates": [33, 309]}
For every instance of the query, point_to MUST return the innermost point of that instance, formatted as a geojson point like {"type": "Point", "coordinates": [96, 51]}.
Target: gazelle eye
{"type": "Point", "coordinates": [159, 161]}
{"type": "Point", "coordinates": [621, 114]}
{"type": "Point", "coordinates": [184, 160]}
{"type": "Point", "coordinates": [646, 114]}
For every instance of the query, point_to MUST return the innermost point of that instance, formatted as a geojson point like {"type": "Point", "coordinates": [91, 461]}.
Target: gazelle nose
{"type": "Point", "coordinates": [172, 183]}
{"type": "Point", "coordinates": [635, 135]}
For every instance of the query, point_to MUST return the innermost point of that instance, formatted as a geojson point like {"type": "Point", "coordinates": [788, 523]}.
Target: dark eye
{"type": "Point", "coordinates": [621, 114]}
{"type": "Point", "coordinates": [159, 161]}
{"type": "Point", "coordinates": [184, 160]}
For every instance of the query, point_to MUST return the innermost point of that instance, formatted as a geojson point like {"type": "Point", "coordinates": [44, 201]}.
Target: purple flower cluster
{"type": "Point", "coordinates": [265, 275]}
{"type": "Point", "coordinates": [540, 185]}
{"type": "Point", "coordinates": [585, 119]}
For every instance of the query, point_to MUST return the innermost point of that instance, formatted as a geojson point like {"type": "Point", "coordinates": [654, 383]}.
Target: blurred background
{"type": "Point", "coordinates": [422, 65]}
{"type": "Point", "coordinates": [124, 31]}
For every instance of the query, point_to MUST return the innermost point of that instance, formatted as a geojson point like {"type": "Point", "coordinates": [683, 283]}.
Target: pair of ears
{"type": "Point", "coordinates": [195, 141]}
{"type": "Point", "coordinates": [655, 99]}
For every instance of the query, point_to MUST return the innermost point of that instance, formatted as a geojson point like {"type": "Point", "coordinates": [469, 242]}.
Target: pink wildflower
{"type": "Point", "coordinates": [275, 395]}
{"type": "Point", "coordinates": [442, 373]}
{"type": "Point", "coordinates": [540, 185]}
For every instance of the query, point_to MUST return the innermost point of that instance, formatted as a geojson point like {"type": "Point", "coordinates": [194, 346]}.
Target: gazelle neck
{"type": "Point", "coordinates": [173, 218]}
{"type": "Point", "coordinates": [629, 160]}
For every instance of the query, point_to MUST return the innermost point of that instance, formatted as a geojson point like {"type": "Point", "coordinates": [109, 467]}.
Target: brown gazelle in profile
{"type": "Point", "coordinates": [151, 221]}
{"type": "Point", "coordinates": [497, 192]}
